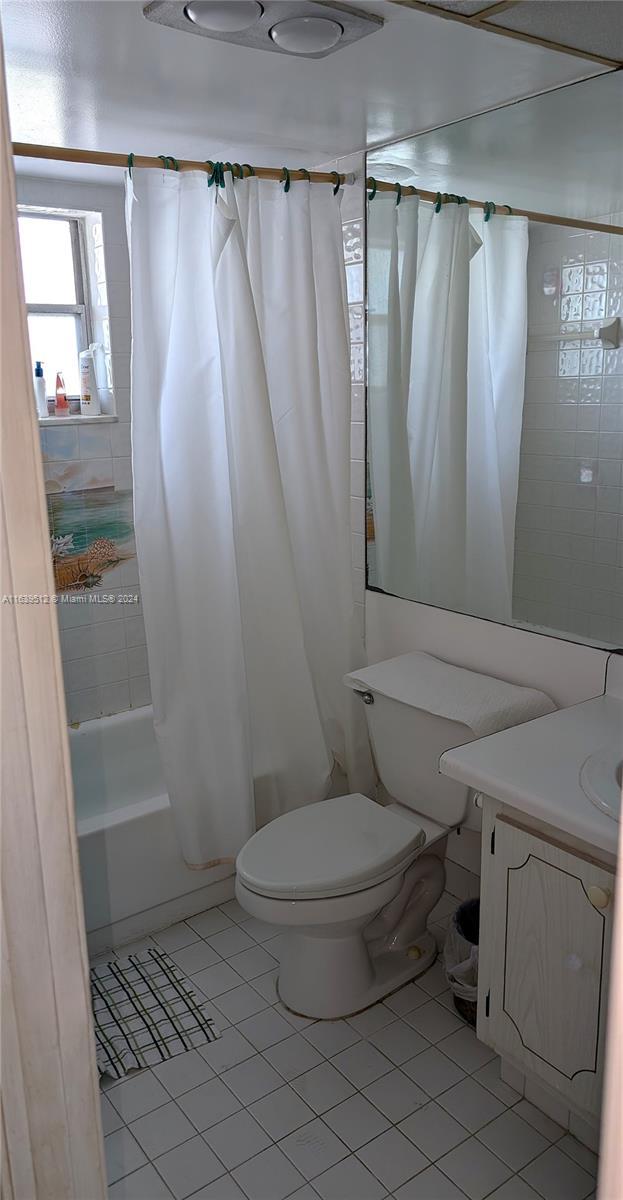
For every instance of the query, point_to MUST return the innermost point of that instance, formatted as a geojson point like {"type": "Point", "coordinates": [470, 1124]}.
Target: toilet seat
{"type": "Point", "coordinates": [329, 848]}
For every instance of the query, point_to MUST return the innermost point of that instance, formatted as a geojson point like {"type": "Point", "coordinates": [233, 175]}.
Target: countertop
{"type": "Point", "coordinates": [535, 767]}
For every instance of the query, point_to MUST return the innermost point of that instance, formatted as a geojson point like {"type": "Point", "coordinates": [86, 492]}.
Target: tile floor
{"type": "Point", "coordinates": [400, 1102]}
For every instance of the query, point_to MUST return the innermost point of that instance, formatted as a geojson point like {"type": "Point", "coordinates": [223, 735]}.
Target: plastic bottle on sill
{"type": "Point", "coordinates": [89, 396]}
{"type": "Point", "coordinates": [62, 403]}
{"type": "Point", "coordinates": [40, 397]}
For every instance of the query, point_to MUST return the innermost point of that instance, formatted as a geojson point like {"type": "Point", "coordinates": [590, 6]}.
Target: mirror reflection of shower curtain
{"type": "Point", "coordinates": [496, 380]}
{"type": "Point", "coordinates": [445, 401]}
{"type": "Point", "coordinates": [392, 267]}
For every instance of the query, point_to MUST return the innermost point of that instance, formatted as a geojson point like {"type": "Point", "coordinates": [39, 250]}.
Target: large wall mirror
{"type": "Point", "coordinates": [495, 366]}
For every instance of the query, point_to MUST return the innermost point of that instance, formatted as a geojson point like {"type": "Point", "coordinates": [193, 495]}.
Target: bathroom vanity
{"type": "Point", "coordinates": [549, 845]}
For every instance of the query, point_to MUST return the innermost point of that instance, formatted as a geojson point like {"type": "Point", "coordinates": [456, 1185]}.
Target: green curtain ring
{"type": "Point", "coordinates": [338, 182]}
{"type": "Point", "coordinates": [130, 164]}
{"type": "Point", "coordinates": [371, 183]}
{"type": "Point", "coordinates": [398, 188]}
{"type": "Point", "coordinates": [250, 170]}
{"type": "Point", "coordinates": [306, 173]}
{"type": "Point", "coordinates": [489, 210]}
{"type": "Point", "coordinates": [461, 199]}
{"type": "Point", "coordinates": [166, 159]}
{"type": "Point", "coordinates": [438, 202]}
{"type": "Point", "coordinates": [509, 209]}
{"type": "Point", "coordinates": [285, 176]}
{"type": "Point", "coordinates": [237, 171]}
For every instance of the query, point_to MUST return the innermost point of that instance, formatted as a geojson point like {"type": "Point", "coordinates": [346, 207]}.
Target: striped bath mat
{"type": "Point", "coordinates": [145, 1011]}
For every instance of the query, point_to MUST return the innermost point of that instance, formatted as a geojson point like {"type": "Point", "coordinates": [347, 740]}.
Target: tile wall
{"type": "Point", "coordinates": [569, 529]}
{"type": "Point", "coordinates": [88, 478]}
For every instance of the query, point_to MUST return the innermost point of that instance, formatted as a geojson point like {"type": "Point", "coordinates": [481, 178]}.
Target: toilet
{"type": "Point", "coordinates": [350, 881]}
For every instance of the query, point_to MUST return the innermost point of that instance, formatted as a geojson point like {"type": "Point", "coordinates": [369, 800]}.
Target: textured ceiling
{"type": "Point", "coordinates": [595, 26]}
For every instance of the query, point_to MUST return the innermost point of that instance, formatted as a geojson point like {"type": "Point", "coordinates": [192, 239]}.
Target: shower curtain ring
{"type": "Point", "coordinates": [371, 183]}
{"type": "Point", "coordinates": [489, 210]}
{"type": "Point", "coordinates": [237, 171]}
{"type": "Point", "coordinates": [438, 202]}
{"type": "Point", "coordinates": [130, 164]}
{"type": "Point", "coordinates": [247, 167]}
{"type": "Point", "coordinates": [285, 179]}
{"type": "Point", "coordinates": [338, 182]}
{"type": "Point", "coordinates": [398, 188]}
{"type": "Point", "coordinates": [510, 211]}
{"type": "Point", "coordinates": [306, 173]}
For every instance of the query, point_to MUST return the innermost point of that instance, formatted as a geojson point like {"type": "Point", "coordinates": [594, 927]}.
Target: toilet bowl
{"type": "Point", "coordinates": [351, 882]}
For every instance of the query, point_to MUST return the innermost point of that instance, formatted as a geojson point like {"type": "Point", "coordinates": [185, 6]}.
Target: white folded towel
{"type": "Point", "coordinates": [480, 702]}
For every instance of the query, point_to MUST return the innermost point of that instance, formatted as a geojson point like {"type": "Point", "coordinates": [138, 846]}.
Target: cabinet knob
{"type": "Point", "coordinates": [599, 897]}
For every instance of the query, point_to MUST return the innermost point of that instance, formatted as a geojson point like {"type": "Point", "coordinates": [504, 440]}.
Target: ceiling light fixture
{"type": "Point", "coordinates": [224, 16]}
{"type": "Point", "coordinates": [306, 35]}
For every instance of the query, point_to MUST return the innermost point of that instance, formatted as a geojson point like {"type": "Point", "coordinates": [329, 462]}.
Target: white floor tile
{"type": "Point", "coordinates": [371, 1020]}
{"type": "Point", "coordinates": [260, 931]}
{"type": "Point", "coordinates": [313, 1148]}
{"type": "Point", "coordinates": [539, 1121]}
{"type": "Point", "coordinates": [513, 1140]}
{"type": "Point", "coordinates": [207, 923]}
{"type": "Point", "coordinates": [240, 1002]}
{"type": "Point", "coordinates": [362, 1064]}
{"type": "Point", "coordinates": [275, 945]}
{"type": "Point", "coordinates": [266, 985]}
{"type": "Point", "coordinates": [433, 1131]}
{"type": "Point", "coordinates": [349, 1180]}
{"type": "Point", "coordinates": [194, 958]}
{"type": "Point", "coordinates": [406, 999]}
{"type": "Point", "coordinates": [434, 980]}
{"type": "Point", "coordinates": [429, 1185]}
{"type": "Point", "coordinates": [579, 1153]}
{"type": "Point", "coordinates": [208, 1104]}
{"type": "Point", "coordinates": [252, 1079]}
{"type": "Point", "coordinates": [227, 1051]}
{"type": "Point", "coordinates": [144, 1184]}
{"type": "Point", "coordinates": [268, 1176]}
{"type": "Point", "coordinates": [433, 1072]}
{"type": "Point", "coordinates": [162, 1129]}
{"type": "Point", "coordinates": [189, 1167]}
{"type": "Point", "coordinates": [323, 1087]}
{"type": "Point", "coordinates": [329, 1037]}
{"type": "Point", "coordinates": [555, 1176]}
{"type": "Point", "coordinates": [230, 941]}
{"type": "Point", "coordinates": [297, 1022]}
{"type": "Point", "coordinates": [294, 1056]}
{"type": "Point", "coordinates": [234, 911]}
{"type": "Point", "coordinates": [254, 962]}
{"type": "Point", "coordinates": [123, 1154]}
{"type": "Point", "coordinates": [265, 1028]}
{"type": "Point", "coordinates": [398, 1042]}
{"type": "Point", "coordinates": [137, 1095]}
{"type": "Point", "coordinates": [392, 1158]}
{"type": "Point", "coordinates": [472, 1105]}
{"type": "Point", "coordinates": [474, 1169]}
{"type": "Point", "coordinates": [514, 1189]}
{"type": "Point", "coordinates": [281, 1112]}
{"type": "Point", "coordinates": [433, 1021]}
{"type": "Point", "coordinates": [183, 1072]}
{"type": "Point", "coordinates": [395, 1095]}
{"type": "Point", "coordinates": [224, 1188]}
{"type": "Point", "coordinates": [176, 937]}
{"type": "Point", "coordinates": [489, 1077]}
{"type": "Point", "coordinates": [464, 1048]}
{"type": "Point", "coordinates": [237, 1139]}
{"type": "Point", "coordinates": [213, 981]}
{"type": "Point", "coordinates": [356, 1121]}
{"type": "Point", "coordinates": [110, 1117]}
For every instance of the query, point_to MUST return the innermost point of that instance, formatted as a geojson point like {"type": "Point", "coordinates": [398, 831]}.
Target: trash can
{"type": "Point", "coordinates": [460, 954]}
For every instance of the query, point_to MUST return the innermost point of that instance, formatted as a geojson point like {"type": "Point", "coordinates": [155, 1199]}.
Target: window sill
{"type": "Point", "coordinates": [78, 419]}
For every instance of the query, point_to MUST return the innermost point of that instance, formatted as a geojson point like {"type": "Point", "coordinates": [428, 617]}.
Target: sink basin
{"type": "Point", "coordinates": [601, 777]}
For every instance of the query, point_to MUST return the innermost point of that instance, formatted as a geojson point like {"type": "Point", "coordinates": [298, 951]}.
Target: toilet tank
{"type": "Point", "coordinates": [417, 707]}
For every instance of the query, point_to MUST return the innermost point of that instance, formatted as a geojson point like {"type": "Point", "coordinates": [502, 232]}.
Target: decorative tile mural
{"type": "Point", "coordinates": [92, 532]}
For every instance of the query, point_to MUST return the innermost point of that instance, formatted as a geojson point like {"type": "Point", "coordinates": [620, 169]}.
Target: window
{"type": "Point", "coordinates": [59, 322]}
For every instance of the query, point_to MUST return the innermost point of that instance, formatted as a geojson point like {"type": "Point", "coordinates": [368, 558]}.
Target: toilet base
{"type": "Point", "coordinates": [358, 980]}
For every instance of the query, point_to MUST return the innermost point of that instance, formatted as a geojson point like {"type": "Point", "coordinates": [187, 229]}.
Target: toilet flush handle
{"type": "Point", "coordinates": [367, 697]}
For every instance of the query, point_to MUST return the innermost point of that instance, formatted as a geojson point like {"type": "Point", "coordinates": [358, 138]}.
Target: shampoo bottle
{"type": "Point", "coordinates": [62, 403]}
{"type": "Point", "coordinates": [89, 396]}
{"type": "Point", "coordinates": [40, 399]}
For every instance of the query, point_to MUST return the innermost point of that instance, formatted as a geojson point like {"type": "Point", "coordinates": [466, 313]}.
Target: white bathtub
{"type": "Point", "coordinates": [133, 876]}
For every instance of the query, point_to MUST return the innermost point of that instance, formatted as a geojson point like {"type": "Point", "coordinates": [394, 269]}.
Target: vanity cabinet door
{"type": "Point", "coordinates": [545, 944]}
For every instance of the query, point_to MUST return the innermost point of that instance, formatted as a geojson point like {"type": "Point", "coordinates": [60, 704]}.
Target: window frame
{"type": "Point", "coordinates": [81, 310]}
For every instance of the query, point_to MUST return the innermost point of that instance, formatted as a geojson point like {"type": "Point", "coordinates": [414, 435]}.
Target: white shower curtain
{"type": "Point", "coordinates": [455, 501]}
{"type": "Point", "coordinates": [498, 329]}
{"type": "Point", "coordinates": [248, 712]}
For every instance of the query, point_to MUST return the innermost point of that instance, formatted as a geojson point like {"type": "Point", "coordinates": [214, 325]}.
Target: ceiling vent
{"type": "Point", "coordinates": [307, 29]}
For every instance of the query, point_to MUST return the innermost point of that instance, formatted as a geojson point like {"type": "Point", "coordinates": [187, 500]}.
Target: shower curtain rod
{"type": "Point", "coordinates": [101, 158]}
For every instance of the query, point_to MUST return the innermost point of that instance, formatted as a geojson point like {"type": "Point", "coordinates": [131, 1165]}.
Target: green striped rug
{"type": "Point", "coordinates": [145, 1011]}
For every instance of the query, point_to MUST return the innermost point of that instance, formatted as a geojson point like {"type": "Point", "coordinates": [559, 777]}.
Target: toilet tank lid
{"type": "Point", "coordinates": [480, 702]}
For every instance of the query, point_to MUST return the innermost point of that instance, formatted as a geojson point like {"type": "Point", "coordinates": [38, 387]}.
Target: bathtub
{"type": "Point", "coordinates": [134, 879]}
